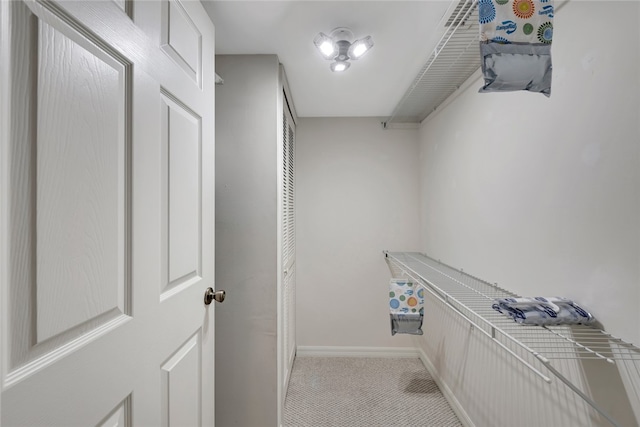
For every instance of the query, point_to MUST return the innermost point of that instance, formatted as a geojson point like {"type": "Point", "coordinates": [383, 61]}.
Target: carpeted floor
{"type": "Point", "coordinates": [366, 392]}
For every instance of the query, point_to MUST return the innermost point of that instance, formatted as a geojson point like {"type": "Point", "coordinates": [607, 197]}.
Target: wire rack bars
{"type": "Point", "coordinates": [471, 298]}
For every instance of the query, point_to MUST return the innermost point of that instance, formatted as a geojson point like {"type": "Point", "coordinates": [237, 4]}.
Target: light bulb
{"type": "Point", "coordinates": [325, 45]}
{"type": "Point", "coordinates": [339, 66]}
{"type": "Point", "coordinates": [326, 48]}
{"type": "Point", "coordinates": [359, 49]}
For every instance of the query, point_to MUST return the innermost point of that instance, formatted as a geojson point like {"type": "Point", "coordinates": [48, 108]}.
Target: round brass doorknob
{"type": "Point", "coordinates": [210, 295]}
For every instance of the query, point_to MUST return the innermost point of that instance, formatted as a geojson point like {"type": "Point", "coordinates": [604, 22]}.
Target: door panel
{"type": "Point", "coordinates": [181, 39]}
{"type": "Point", "coordinates": [81, 248]}
{"type": "Point", "coordinates": [69, 182]}
{"type": "Point", "coordinates": [120, 416]}
{"type": "Point", "coordinates": [109, 215]}
{"type": "Point", "coordinates": [182, 394]}
{"type": "Point", "coordinates": [181, 139]}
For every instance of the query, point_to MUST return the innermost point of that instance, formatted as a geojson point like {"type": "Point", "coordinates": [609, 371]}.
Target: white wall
{"type": "Point", "coordinates": [541, 195]}
{"type": "Point", "coordinates": [247, 146]}
{"type": "Point", "coordinates": [356, 195]}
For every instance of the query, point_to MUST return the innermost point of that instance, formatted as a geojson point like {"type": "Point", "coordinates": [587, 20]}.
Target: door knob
{"type": "Point", "coordinates": [210, 295]}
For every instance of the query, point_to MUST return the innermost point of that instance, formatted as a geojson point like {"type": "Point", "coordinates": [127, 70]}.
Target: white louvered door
{"type": "Point", "coordinates": [288, 245]}
{"type": "Point", "coordinates": [106, 224]}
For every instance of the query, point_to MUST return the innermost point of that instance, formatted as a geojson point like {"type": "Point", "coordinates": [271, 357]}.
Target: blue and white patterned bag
{"type": "Point", "coordinates": [515, 45]}
{"type": "Point", "coordinates": [543, 311]}
{"type": "Point", "coordinates": [406, 307]}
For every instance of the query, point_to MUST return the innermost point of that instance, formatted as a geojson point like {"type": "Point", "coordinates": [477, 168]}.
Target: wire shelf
{"type": "Point", "coordinates": [455, 58]}
{"type": "Point", "coordinates": [472, 298]}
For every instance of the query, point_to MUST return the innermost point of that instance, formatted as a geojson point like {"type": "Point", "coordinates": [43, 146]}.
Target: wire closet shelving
{"type": "Point", "coordinates": [454, 59]}
{"type": "Point", "coordinates": [471, 298]}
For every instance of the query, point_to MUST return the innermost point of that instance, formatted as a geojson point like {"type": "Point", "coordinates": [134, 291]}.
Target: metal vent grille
{"type": "Point", "coordinates": [453, 61]}
{"type": "Point", "coordinates": [288, 295]}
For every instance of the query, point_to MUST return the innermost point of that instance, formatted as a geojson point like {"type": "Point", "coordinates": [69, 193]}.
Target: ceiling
{"type": "Point", "coordinates": [404, 34]}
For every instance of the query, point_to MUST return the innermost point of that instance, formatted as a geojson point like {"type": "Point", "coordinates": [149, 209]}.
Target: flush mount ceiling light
{"type": "Point", "coordinates": [340, 47]}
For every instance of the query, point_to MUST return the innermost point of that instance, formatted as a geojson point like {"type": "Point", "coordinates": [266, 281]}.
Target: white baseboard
{"type": "Point", "coordinates": [448, 394]}
{"type": "Point", "coordinates": [340, 351]}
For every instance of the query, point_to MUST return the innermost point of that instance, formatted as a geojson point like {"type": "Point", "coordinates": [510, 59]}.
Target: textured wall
{"type": "Point", "coordinates": [246, 240]}
{"type": "Point", "coordinates": [357, 194]}
{"type": "Point", "coordinates": [541, 195]}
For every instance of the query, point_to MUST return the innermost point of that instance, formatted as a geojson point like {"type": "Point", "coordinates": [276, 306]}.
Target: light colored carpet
{"type": "Point", "coordinates": [367, 392]}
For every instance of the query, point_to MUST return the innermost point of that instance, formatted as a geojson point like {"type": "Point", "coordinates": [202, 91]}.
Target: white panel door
{"type": "Point", "coordinates": [106, 224]}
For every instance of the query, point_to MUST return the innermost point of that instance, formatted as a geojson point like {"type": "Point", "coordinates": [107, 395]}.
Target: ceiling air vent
{"type": "Point", "coordinates": [460, 13]}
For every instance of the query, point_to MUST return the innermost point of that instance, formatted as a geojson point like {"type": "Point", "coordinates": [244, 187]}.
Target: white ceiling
{"type": "Point", "coordinates": [404, 34]}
